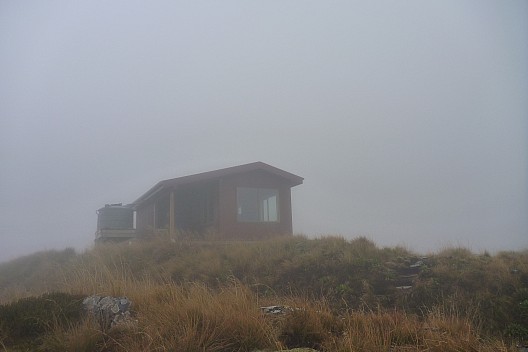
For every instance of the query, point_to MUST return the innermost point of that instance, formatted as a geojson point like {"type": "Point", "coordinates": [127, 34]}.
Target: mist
{"type": "Point", "coordinates": [408, 120]}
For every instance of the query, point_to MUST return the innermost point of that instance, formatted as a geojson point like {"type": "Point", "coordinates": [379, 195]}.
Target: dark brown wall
{"type": "Point", "coordinates": [226, 211]}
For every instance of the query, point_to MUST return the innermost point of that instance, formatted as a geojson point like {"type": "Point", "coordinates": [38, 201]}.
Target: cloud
{"type": "Point", "coordinates": [407, 121]}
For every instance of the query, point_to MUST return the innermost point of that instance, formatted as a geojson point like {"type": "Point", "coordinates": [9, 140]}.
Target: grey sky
{"type": "Point", "coordinates": [408, 119]}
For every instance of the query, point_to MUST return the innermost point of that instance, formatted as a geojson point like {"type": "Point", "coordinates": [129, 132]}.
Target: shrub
{"type": "Point", "coordinates": [27, 320]}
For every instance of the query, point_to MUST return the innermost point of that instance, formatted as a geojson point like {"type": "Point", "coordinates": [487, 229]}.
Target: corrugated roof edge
{"type": "Point", "coordinates": [204, 176]}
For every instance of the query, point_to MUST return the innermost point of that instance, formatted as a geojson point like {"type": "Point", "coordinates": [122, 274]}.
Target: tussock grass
{"type": "Point", "coordinates": [193, 317]}
{"type": "Point", "coordinates": [397, 331]}
{"type": "Point", "coordinates": [205, 296]}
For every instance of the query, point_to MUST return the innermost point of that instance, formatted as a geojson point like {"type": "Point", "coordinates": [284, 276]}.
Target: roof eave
{"type": "Point", "coordinates": [293, 180]}
{"type": "Point", "coordinates": [148, 194]}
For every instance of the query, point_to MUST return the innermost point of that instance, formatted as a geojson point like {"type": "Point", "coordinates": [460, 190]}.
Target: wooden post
{"type": "Point", "coordinates": [171, 214]}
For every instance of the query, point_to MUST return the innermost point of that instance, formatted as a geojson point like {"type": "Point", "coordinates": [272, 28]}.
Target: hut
{"type": "Point", "coordinates": [250, 201]}
{"type": "Point", "coordinates": [240, 202]}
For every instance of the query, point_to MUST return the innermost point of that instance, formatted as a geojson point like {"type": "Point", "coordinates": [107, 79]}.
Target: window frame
{"type": "Point", "coordinates": [263, 215]}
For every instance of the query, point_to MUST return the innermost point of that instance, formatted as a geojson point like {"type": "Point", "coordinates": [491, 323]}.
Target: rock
{"type": "Point", "coordinates": [403, 287]}
{"type": "Point", "coordinates": [108, 311]}
{"type": "Point", "coordinates": [276, 310]}
{"type": "Point", "coordinates": [417, 264]}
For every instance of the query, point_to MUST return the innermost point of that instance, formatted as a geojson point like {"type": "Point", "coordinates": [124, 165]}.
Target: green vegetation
{"type": "Point", "coordinates": [23, 322]}
{"type": "Point", "coordinates": [205, 296]}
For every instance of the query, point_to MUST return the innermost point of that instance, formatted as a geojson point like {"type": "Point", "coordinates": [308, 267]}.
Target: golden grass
{"type": "Point", "coordinates": [193, 317]}
{"type": "Point", "coordinates": [205, 296]}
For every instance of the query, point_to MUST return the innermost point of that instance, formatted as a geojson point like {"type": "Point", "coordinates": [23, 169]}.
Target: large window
{"type": "Point", "coordinates": [257, 204]}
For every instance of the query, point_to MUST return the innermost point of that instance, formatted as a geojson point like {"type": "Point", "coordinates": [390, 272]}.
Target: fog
{"type": "Point", "coordinates": [408, 120]}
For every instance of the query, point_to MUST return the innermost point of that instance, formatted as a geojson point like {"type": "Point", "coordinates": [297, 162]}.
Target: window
{"type": "Point", "coordinates": [257, 205]}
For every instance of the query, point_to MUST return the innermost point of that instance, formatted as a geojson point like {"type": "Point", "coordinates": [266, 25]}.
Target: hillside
{"type": "Point", "coordinates": [205, 296]}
